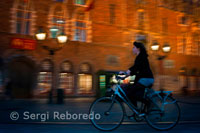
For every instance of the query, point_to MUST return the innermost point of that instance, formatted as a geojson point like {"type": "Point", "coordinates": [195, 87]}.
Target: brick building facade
{"type": "Point", "coordinates": [100, 35]}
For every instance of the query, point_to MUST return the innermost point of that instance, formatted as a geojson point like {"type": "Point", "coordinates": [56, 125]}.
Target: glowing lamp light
{"type": "Point", "coordinates": [166, 48]}
{"type": "Point", "coordinates": [41, 35]}
{"type": "Point", "coordinates": [62, 38]}
{"type": "Point", "coordinates": [155, 46]}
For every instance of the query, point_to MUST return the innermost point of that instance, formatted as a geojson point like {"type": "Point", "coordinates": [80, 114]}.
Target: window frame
{"type": "Point", "coordinates": [80, 29]}
{"type": "Point", "coordinates": [180, 20]}
{"type": "Point", "coordinates": [83, 5]}
{"type": "Point", "coordinates": [60, 27]}
{"type": "Point", "coordinates": [27, 8]}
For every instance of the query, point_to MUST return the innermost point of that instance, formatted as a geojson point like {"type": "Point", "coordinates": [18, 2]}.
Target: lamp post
{"type": "Point", "coordinates": [155, 47]}
{"type": "Point", "coordinates": [61, 40]}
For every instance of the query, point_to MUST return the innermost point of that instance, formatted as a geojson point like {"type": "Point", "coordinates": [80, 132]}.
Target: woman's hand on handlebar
{"type": "Point", "coordinates": [128, 72]}
{"type": "Point", "coordinates": [122, 73]}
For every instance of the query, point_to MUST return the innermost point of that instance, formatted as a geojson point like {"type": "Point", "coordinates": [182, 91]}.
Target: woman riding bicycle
{"type": "Point", "coordinates": [144, 75]}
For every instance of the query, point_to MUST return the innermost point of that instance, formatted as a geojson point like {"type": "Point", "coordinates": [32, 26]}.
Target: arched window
{"type": "Point", "coordinates": [22, 17]}
{"type": "Point", "coordinates": [80, 2]}
{"type": "Point", "coordinates": [85, 79]}
{"type": "Point", "coordinates": [81, 26]}
{"type": "Point", "coordinates": [58, 20]}
{"type": "Point", "coordinates": [45, 77]}
{"type": "Point", "coordinates": [66, 78]}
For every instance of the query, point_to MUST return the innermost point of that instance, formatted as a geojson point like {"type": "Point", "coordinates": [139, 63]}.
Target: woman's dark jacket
{"type": "Point", "coordinates": [141, 67]}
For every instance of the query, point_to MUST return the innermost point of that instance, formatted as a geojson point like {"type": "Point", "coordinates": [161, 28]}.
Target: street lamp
{"type": "Point", "coordinates": [155, 46]}
{"type": "Point", "coordinates": [40, 35]}
{"type": "Point", "coordinates": [165, 49]}
{"type": "Point", "coordinates": [61, 39]}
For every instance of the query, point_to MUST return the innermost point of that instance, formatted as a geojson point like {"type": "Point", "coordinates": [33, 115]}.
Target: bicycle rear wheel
{"type": "Point", "coordinates": [163, 115]}
{"type": "Point", "coordinates": [111, 115]}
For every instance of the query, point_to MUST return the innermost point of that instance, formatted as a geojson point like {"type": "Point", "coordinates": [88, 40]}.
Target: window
{"type": "Point", "coordinates": [183, 20]}
{"type": "Point", "coordinates": [112, 13]}
{"type": "Point", "coordinates": [58, 21]}
{"type": "Point", "coordinates": [85, 79]}
{"type": "Point", "coordinates": [181, 49]}
{"type": "Point", "coordinates": [22, 17]}
{"type": "Point", "coordinates": [80, 2]}
{"type": "Point", "coordinates": [85, 83]}
{"type": "Point", "coordinates": [45, 77]}
{"type": "Point", "coordinates": [196, 44]}
{"type": "Point", "coordinates": [44, 82]}
{"type": "Point", "coordinates": [66, 78]}
{"type": "Point", "coordinates": [141, 19]}
{"type": "Point", "coordinates": [80, 28]}
{"type": "Point", "coordinates": [66, 82]}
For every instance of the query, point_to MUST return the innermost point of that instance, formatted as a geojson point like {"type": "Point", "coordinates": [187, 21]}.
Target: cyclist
{"type": "Point", "coordinates": [142, 70]}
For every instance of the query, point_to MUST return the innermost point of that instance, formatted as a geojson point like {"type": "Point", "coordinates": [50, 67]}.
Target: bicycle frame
{"type": "Point", "coordinates": [118, 91]}
{"type": "Point", "coordinates": [154, 107]}
{"type": "Point", "coordinates": [167, 93]}
{"type": "Point", "coordinates": [127, 101]}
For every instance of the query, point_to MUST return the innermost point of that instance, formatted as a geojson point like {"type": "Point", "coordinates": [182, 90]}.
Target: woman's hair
{"type": "Point", "coordinates": [140, 45]}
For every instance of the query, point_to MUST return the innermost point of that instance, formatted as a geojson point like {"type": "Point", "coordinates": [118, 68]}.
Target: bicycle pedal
{"type": "Point", "coordinates": [141, 115]}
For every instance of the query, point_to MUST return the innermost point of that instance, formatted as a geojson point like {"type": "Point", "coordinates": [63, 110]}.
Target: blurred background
{"type": "Point", "coordinates": [71, 48]}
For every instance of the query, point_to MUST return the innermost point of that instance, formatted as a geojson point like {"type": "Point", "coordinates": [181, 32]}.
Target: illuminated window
{"type": "Point", "coordinates": [85, 79]}
{"type": "Point", "coordinates": [112, 13]}
{"type": "Point", "coordinates": [45, 82]}
{"type": "Point", "coordinates": [45, 77]}
{"type": "Point", "coordinates": [58, 21]}
{"type": "Point", "coordinates": [66, 78]}
{"type": "Point", "coordinates": [85, 83]}
{"type": "Point", "coordinates": [80, 2]}
{"type": "Point", "coordinates": [22, 16]}
{"type": "Point", "coordinates": [80, 28]}
{"type": "Point", "coordinates": [66, 82]}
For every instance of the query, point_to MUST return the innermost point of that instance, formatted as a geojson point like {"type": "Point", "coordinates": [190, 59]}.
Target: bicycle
{"type": "Point", "coordinates": [161, 113]}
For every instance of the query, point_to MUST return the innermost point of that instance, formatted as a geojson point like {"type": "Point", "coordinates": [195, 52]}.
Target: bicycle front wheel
{"type": "Point", "coordinates": [163, 114]}
{"type": "Point", "coordinates": [110, 113]}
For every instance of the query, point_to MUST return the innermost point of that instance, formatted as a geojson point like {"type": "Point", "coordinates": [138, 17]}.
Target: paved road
{"type": "Point", "coordinates": [87, 128]}
{"type": "Point", "coordinates": [190, 118]}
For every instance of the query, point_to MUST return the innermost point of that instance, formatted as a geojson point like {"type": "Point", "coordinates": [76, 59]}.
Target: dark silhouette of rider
{"type": "Point", "coordinates": [141, 69]}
